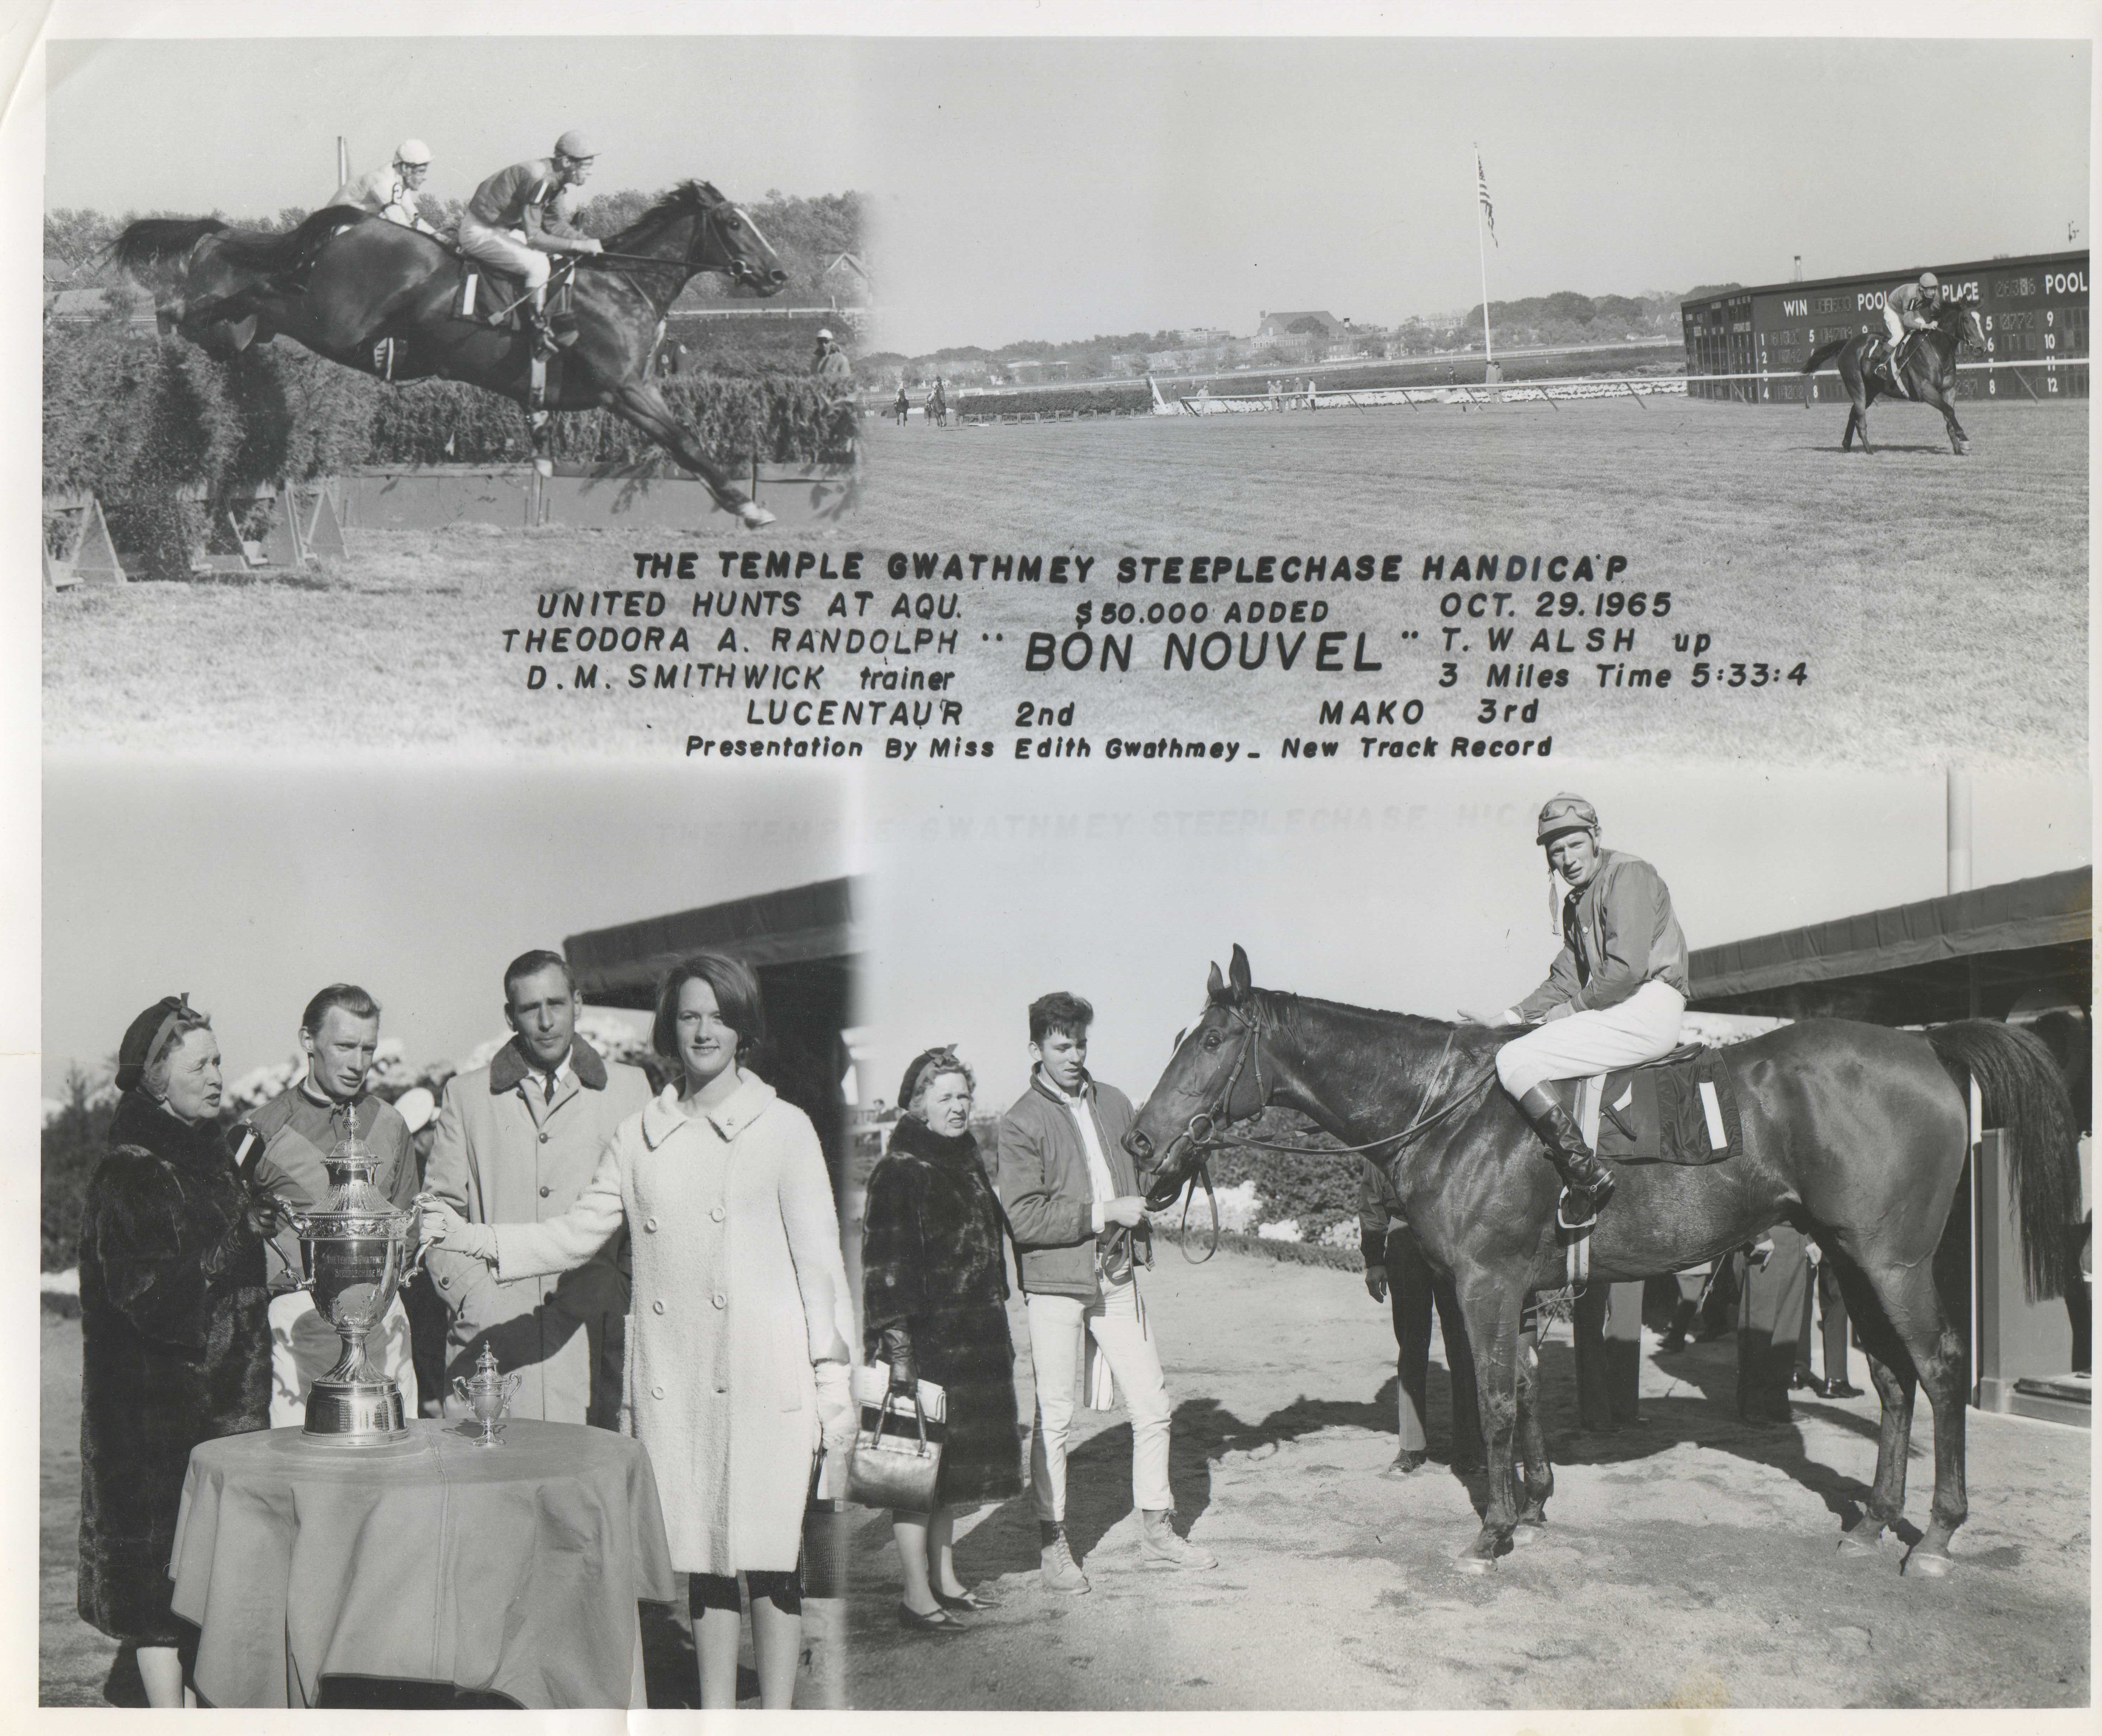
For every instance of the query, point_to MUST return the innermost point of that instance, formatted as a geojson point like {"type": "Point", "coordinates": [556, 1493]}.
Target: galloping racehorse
{"type": "Point", "coordinates": [1925, 366]}
{"type": "Point", "coordinates": [1854, 1133]}
{"type": "Point", "coordinates": [382, 299]}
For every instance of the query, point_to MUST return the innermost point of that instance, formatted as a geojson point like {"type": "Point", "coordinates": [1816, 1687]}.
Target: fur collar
{"type": "Point", "coordinates": [141, 1121]}
{"type": "Point", "coordinates": [510, 1068]}
{"type": "Point", "coordinates": [662, 1116]}
{"type": "Point", "coordinates": [913, 1137]}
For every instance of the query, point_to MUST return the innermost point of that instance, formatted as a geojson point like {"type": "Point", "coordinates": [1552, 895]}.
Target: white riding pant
{"type": "Point", "coordinates": [303, 1347]}
{"type": "Point", "coordinates": [1058, 1328]}
{"type": "Point", "coordinates": [503, 249]}
{"type": "Point", "coordinates": [1893, 325]}
{"type": "Point", "coordinates": [1641, 1028]}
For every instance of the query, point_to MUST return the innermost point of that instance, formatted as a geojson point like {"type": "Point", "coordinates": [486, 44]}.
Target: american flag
{"type": "Point", "coordinates": [1481, 187]}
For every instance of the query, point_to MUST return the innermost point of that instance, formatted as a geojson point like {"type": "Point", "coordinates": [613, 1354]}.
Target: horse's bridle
{"type": "Point", "coordinates": [1199, 1137]}
{"type": "Point", "coordinates": [711, 218]}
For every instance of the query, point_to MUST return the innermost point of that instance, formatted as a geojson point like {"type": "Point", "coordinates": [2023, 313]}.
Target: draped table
{"type": "Point", "coordinates": [515, 1571]}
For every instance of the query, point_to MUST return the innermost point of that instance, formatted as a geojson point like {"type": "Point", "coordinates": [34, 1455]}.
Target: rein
{"type": "Point", "coordinates": [1201, 1135]}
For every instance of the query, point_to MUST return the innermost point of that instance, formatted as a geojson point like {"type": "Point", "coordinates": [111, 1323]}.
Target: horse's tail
{"type": "Point", "coordinates": [2024, 1094]}
{"type": "Point", "coordinates": [294, 250]}
{"type": "Point", "coordinates": [1824, 353]}
{"type": "Point", "coordinates": [154, 241]}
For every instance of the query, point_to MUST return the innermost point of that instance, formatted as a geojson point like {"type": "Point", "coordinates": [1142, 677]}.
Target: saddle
{"type": "Point", "coordinates": [1680, 1109]}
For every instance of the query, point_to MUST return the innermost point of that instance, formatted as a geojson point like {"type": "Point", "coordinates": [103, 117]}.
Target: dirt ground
{"type": "Point", "coordinates": [1688, 1563]}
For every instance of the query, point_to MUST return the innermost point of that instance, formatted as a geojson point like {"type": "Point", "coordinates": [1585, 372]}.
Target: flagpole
{"type": "Point", "coordinates": [1482, 247]}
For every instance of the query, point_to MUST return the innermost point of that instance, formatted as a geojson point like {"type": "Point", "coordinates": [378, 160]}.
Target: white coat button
{"type": "Point", "coordinates": [719, 1299]}
{"type": "Point", "coordinates": [656, 1392]}
{"type": "Point", "coordinates": [656, 1308]}
{"type": "Point", "coordinates": [545, 1138]}
{"type": "Point", "coordinates": [649, 1223]}
{"type": "Point", "coordinates": [716, 1213]}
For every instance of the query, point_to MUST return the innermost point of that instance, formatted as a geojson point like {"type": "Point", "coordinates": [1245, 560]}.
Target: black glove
{"type": "Point", "coordinates": [894, 1346]}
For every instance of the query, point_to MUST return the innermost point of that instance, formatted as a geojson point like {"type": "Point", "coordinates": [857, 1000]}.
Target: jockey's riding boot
{"type": "Point", "coordinates": [1587, 1179]}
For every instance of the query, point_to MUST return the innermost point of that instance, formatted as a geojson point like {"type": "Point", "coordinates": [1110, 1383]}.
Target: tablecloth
{"type": "Point", "coordinates": [515, 1570]}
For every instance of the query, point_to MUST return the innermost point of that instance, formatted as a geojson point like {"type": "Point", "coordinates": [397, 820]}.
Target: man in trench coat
{"type": "Point", "coordinates": [516, 1142]}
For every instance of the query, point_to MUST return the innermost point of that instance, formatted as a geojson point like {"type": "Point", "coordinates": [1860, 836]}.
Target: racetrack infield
{"type": "Point", "coordinates": [1939, 603]}
{"type": "Point", "coordinates": [1691, 1563]}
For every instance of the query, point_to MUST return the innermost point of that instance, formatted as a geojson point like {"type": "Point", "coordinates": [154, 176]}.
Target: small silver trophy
{"type": "Point", "coordinates": [355, 1252]}
{"type": "Point", "coordinates": [488, 1396]}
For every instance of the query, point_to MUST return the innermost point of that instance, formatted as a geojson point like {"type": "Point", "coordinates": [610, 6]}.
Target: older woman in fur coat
{"type": "Point", "coordinates": [933, 1295]}
{"type": "Point", "coordinates": [174, 1334]}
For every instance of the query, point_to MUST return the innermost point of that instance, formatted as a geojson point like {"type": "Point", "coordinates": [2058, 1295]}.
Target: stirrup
{"type": "Point", "coordinates": [1562, 1220]}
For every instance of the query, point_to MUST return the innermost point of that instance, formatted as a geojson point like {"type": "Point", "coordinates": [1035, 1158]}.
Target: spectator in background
{"type": "Point", "coordinates": [672, 359]}
{"type": "Point", "coordinates": [1832, 1318]}
{"type": "Point", "coordinates": [904, 406]}
{"type": "Point", "coordinates": [1396, 1273]}
{"type": "Point", "coordinates": [829, 362]}
{"type": "Point", "coordinates": [174, 1333]}
{"type": "Point", "coordinates": [516, 1142]}
{"type": "Point", "coordinates": [1775, 1273]}
{"type": "Point", "coordinates": [933, 1308]}
{"type": "Point", "coordinates": [329, 1102]}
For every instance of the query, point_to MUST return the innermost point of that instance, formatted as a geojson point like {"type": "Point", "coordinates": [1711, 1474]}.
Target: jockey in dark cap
{"type": "Point", "coordinates": [1613, 997]}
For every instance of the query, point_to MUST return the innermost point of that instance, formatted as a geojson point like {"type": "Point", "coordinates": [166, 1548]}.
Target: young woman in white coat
{"type": "Point", "coordinates": [740, 1335]}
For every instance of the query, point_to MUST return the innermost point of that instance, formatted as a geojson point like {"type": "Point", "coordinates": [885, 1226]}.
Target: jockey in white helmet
{"type": "Point", "coordinates": [1613, 997]}
{"type": "Point", "coordinates": [392, 193]}
{"type": "Point", "coordinates": [1908, 307]}
{"type": "Point", "coordinates": [521, 214]}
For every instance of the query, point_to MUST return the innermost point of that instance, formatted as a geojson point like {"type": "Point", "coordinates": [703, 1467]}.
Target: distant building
{"type": "Point", "coordinates": [1316, 322]}
{"type": "Point", "coordinates": [846, 282]}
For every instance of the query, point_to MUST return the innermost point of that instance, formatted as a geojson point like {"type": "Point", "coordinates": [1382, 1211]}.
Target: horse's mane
{"type": "Point", "coordinates": [1277, 1011]}
{"type": "Point", "coordinates": [688, 198]}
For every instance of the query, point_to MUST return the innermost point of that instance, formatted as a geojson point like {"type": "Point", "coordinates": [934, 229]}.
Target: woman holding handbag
{"type": "Point", "coordinates": [933, 1308]}
{"type": "Point", "coordinates": [740, 1334]}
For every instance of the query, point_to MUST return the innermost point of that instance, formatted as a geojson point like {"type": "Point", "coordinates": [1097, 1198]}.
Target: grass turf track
{"type": "Point", "coordinates": [1939, 602]}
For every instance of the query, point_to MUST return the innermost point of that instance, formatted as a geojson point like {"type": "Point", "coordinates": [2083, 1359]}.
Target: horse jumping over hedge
{"type": "Point", "coordinates": [1925, 370]}
{"type": "Point", "coordinates": [382, 298]}
{"type": "Point", "coordinates": [1856, 1134]}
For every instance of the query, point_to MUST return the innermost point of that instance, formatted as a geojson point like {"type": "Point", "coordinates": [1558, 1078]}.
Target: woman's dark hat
{"type": "Point", "coordinates": [945, 1053]}
{"type": "Point", "coordinates": [146, 1037]}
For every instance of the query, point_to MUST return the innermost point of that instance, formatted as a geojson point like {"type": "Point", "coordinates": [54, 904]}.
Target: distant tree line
{"type": "Point", "coordinates": [808, 233]}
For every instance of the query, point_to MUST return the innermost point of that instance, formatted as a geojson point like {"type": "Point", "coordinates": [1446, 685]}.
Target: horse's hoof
{"type": "Point", "coordinates": [1850, 1543]}
{"type": "Point", "coordinates": [1923, 1565]}
{"type": "Point", "coordinates": [1528, 1531]}
{"type": "Point", "coordinates": [1474, 1564]}
{"type": "Point", "coordinates": [753, 516]}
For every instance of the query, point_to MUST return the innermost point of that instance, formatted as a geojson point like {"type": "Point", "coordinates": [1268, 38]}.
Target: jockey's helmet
{"type": "Point", "coordinates": [412, 154]}
{"type": "Point", "coordinates": [824, 334]}
{"type": "Point", "coordinates": [1928, 280]}
{"type": "Point", "coordinates": [575, 146]}
{"type": "Point", "coordinates": [1566, 813]}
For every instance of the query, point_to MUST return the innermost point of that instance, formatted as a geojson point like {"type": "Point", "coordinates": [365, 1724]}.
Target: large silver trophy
{"type": "Point", "coordinates": [355, 1249]}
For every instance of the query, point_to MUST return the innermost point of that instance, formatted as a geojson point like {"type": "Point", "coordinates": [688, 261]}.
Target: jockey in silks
{"type": "Point", "coordinates": [1908, 308]}
{"type": "Point", "coordinates": [521, 214]}
{"type": "Point", "coordinates": [1614, 996]}
{"type": "Point", "coordinates": [392, 193]}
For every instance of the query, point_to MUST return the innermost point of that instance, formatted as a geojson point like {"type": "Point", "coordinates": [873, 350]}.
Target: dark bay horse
{"type": "Point", "coordinates": [344, 283]}
{"type": "Point", "coordinates": [1856, 1134]}
{"type": "Point", "coordinates": [1927, 364]}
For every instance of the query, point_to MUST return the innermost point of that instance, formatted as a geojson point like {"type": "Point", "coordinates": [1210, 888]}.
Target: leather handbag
{"type": "Point", "coordinates": [897, 1443]}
